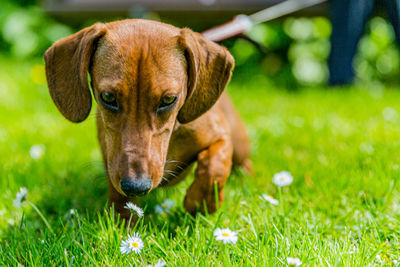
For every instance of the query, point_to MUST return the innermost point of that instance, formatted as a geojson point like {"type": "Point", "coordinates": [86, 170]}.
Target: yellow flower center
{"type": "Point", "coordinates": [135, 245]}
{"type": "Point", "coordinates": [225, 234]}
{"type": "Point", "coordinates": [164, 206]}
{"type": "Point", "coordinates": [282, 178]}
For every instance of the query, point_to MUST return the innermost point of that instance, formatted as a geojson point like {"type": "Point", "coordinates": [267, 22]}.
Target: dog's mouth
{"type": "Point", "coordinates": [137, 194]}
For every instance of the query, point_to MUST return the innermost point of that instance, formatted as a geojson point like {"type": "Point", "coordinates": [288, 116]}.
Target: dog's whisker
{"type": "Point", "coordinates": [170, 171]}
{"type": "Point", "coordinates": [179, 167]}
{"type": "Point", "coordinates": [172, 174]}
{"type": "Point", "coordinates": [171, 161]}
{"type": "Point", "coordinates": [175, 161]}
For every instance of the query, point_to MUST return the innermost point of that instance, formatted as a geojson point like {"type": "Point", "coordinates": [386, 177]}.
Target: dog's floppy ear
{"type": "Point", "coordinates": [209, 71]}
{"type": "Point", "coordinates": [67, 62]}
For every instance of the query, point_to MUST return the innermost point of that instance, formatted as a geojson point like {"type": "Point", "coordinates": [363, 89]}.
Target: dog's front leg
{"type": "Point", "coordinates": [213, 168]}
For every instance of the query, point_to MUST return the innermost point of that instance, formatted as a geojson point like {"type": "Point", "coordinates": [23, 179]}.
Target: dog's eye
{"type": "Point", "coordinates": [109, 100]}
{"type": "Point", "coordinates": [167, 101]}
{"type": "Point", "coordinates": [108, 97]}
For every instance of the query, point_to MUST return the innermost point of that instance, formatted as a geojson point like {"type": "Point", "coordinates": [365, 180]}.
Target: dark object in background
{"type": "Point", "coordinates": [348, 18]}
{"type": "Point", "coordinates": [197, 14]}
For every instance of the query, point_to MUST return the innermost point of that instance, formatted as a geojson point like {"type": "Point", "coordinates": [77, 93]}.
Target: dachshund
{"type": "Point", "coordinates": [161, 107]}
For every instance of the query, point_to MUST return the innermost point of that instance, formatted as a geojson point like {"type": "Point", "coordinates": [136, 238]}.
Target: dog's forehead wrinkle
{"type": "Point", "coordinates": [164, 56]}
{"type": "Point", "coordinates": [109, 83]}
{"type": "Point", "coordinates": [134, 63]}
{"type": "Point", "coordinates": [109, 51]}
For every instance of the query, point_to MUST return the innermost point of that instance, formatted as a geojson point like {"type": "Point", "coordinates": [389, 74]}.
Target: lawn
{"type": "Point", "coordinates": [342, 209]}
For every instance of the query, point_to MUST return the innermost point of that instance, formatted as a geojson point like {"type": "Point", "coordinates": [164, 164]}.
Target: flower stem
{"type": "Point", "coordinates": [281, 206]}
{"type": "Point", "coordinates": [144, 265]}
{"type": "Point", "coordinates": [227, 255]}
{"type": "Point", "coordinates": [129, 223]}
{"type": "Point", "coordinates": [41, 216]}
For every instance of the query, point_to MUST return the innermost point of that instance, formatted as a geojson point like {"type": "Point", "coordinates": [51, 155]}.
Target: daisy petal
{"type": "Point", "coordinates": [282, 178]}
{"type": "Point", "coordinates": [225, 235]}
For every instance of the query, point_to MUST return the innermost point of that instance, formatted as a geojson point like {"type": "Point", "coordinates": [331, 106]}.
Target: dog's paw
{"type": "Point", "coordinates": [200, 200]}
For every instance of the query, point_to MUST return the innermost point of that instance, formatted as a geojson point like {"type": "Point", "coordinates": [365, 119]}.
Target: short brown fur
{"type": "Point", "coordinates": [140, 62]}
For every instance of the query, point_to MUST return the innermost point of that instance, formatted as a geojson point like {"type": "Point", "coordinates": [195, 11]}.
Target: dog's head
{"type": "Point", "coordinates": [145, 76]}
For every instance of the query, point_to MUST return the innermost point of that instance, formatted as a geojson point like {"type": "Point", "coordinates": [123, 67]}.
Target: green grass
{"type": "Point", "coordinates": [343, 208]}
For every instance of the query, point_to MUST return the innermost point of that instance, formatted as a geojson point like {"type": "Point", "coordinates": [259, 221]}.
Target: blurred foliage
{"type": "Point", "coordinates": [26, 31]}
{"type": "Point", "coordinates": [298, 51]}
{"type": "Point", "coordinates": [378, 56]}
{"type": "Point", "coordinates": [297, 48]}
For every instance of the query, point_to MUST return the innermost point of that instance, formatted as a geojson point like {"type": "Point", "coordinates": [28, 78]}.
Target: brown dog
{"type": "Point", "coordinates": [160, 107]}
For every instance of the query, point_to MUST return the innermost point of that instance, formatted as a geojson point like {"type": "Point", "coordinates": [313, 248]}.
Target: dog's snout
{"type": "Point", "coordinates": [135, 187]}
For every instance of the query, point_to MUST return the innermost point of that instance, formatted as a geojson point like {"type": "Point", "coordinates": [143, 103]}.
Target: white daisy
{"type": "Point", "coordinates": [378, 259]}
{"type": "Point", "coordinates": [160, 211]}
{"type": "Point", "coordinates": [270, 199]}
{"type": "Point", "coordinates": [20, 197]}
{"type": "Point", "coordinates": [164, 208]}
{"type": "Point", "coordinates": [133, 208]}
{"type": "Point", "coordinates": [389, 114]}
{"type": "Point", "coordinates": [243, 203]}
{"type": "Point", "coordinates": [133, 243]}
{"type": "Point", "coordinates": [282, 178]}
{"type": "Point", "coordinates": [36, 151]}
{"type": "Point", "coordinates": [160, 263]}
{"type": "Point", "coordinates": [226, 235]}
{"type": "Point", "coordinates": [293, 261]}
{"type": "Point", "coordinates": [70, 214]}
{"type": "Point", "coordinates": [167, 204]}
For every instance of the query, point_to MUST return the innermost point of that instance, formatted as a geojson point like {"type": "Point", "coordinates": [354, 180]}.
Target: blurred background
{"type": "Point", "coordinates": [292, 51]}
{"type": "Point", "coordinates": [341, 144]}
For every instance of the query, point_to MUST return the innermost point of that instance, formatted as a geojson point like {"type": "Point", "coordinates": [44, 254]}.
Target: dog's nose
{"type": "Point", "coordinates": [135, 187]}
